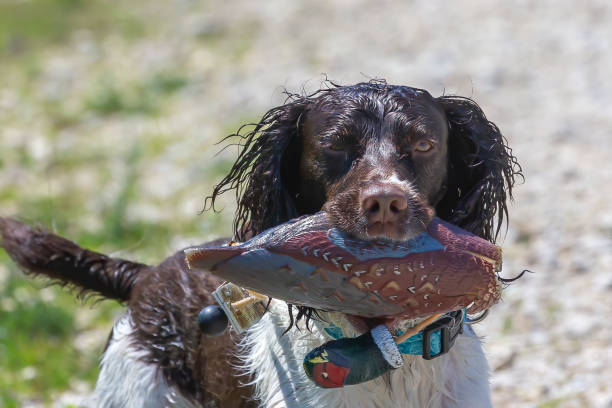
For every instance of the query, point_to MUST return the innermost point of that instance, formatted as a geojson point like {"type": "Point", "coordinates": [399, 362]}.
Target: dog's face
{"type": "Point", "coordinates": [378, 158]}
{"type": "Point", "coordinates": [377, 163]}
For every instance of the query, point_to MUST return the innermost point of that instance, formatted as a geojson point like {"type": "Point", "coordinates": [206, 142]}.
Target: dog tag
{"type": "Point", "coordinates": [242, 307]}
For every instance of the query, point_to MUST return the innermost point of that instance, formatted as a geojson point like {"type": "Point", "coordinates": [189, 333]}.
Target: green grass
{"type": "Point", "coordinates": [37, 336]}
{"type": "Point", "coordinates": [27, 26]}
{"type": "Point", "coordinates": [134, 98]}
{"type": "Point", "coordinates": [508, 325]}
{"type": "Point", "coordinates": [554, 403]}
{"type": "Point", "coordinates": [37, 353]}
{"type": "Point", "coordinates": [39, 324]}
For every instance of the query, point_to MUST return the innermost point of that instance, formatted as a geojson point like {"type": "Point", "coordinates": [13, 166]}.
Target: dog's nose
{"type": "Point", "coordinates": [383, 203]}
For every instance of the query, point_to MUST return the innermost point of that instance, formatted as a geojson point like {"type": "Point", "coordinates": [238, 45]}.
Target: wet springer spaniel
{"type": "Point", "coordinates": [376, 157]}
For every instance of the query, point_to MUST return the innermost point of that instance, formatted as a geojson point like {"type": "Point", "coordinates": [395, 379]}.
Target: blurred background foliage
{"type": "Point", "coordinates": [110, 111]}
{"type": "Point", "coordinates": [73, 158]}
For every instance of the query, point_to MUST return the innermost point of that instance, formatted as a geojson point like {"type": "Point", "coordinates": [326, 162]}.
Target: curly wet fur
{"type": "Point", "coordinates": [89, 273]}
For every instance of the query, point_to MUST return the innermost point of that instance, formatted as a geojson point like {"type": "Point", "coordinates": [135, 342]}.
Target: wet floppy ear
{"type": "Point", "coordinates": [481, 170]}
{"type": "Point", "coordinates": [265, 167]}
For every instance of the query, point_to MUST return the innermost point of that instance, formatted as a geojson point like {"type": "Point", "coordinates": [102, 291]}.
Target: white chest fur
{"type": "Point", "coordinates": [125, 381]}
{"type": "Point", "coordinates": [274, 360]}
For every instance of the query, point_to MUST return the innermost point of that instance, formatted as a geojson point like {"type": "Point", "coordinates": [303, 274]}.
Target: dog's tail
{"type": "Point", "coordinates": [39, 252]}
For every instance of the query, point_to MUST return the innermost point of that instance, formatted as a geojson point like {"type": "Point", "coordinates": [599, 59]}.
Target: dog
{"type": "Point", "coordinates": [381, 160]}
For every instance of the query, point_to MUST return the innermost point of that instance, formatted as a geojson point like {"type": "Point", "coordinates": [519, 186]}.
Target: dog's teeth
{"type": "Point", "coordinates": [305, 250]}
{"type": "Point", "coordinates": [422, 265]}
{"type": "Point", "coordinates": [423, 278]}
{"type": "Point", "coordinates": [325, 255]}
{"type": "Point", "coordinates": [359, 273]}
{"type": "Point", "coordinates": [316, 253]}
{"type": "Point", "coordinates": [426, 296]}
{"type": "Point", "coordinates": [411, 289]}
{"type": "Point", "coordinates": [367, 284]}
{"type": "Point", "coordinates": [393, 297]}
{"type": "Point", "coordinates": [437, 278]}
{"type": "Point", "coordinates": [336, 260]}
{"type": "Point", "coordinates": [346, 267]}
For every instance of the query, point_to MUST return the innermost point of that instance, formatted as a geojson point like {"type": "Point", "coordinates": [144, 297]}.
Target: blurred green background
{"type": "Point", "coordinates": [110, 111]}
{"type": "Point", "coordinates": [89, 149]}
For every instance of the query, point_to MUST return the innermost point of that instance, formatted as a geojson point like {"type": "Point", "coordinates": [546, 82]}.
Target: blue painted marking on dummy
{"type": "Point", "coordinates": [262, 261]}
{"type": "Point", "coordinates": [334, 331]}
{"type": "Point", "coordinates": [421, 243]}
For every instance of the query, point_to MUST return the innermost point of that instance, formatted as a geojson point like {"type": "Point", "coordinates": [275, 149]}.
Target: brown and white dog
{"type": "Point", "coordinates": [380, 159]}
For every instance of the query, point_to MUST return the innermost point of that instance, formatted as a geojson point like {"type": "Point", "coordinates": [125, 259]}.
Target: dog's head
{"type": "Point", "coordinates": [377, 158]}
{"type": "Point", "coordinates": [380, 159]}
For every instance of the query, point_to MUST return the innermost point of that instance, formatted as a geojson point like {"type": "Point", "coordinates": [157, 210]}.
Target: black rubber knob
{"type": "Point", "coordinates": [212, 320]}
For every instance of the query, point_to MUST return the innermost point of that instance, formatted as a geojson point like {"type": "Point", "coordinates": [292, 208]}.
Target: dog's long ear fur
{"type": "Point", "coordinates": [482, 170]}
{"type": "Point", "coordinates": [269, 156]}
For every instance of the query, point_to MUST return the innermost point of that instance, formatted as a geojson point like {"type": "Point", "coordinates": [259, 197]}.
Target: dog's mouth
{"type": "Point", "coordinates": [401, 230]}
{"type": "Point", "coordinates": [388, 230]}
{"type": "Point", "coordinates": [396, 224]}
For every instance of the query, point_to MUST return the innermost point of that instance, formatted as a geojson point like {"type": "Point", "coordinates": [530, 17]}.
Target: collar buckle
{"type": "Point", "coordinates": [450, 326]}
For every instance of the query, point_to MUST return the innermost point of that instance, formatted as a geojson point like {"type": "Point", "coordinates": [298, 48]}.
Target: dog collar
{"type": "Point", "coordinates": [431, 342]}
{"type": "Point", "coordinates": [435, 339]}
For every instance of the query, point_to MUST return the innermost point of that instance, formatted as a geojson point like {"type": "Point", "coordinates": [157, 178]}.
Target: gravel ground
{"type": "Point", "coordinates": [540, 70]}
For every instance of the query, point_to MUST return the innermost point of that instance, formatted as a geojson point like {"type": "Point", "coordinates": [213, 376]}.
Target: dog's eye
{"type": "Point", "coordinates": [423, 146]}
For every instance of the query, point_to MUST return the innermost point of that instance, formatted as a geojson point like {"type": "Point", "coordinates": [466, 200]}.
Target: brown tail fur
{"type": "Point", "coordinates": [39, 252]}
